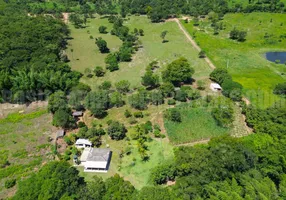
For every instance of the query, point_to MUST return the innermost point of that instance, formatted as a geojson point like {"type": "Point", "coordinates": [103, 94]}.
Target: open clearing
{"type": "Point", "coordinates": [131, 167]}
{"type": "Point", "coordinates": [83, 52]}
{"type": "Point", "coordinates": [245, 61]}
{"type": "Point", "coordinates": [24, 144]}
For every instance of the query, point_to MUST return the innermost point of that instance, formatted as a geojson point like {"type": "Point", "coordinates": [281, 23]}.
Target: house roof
{"type": "Point", "coordinates": [83, 141]}
{"type": "Point", "coordinates": [77, 113]}
{"type": "Point", "coordinates": [98, 155]}
{"type": "Point", "coordinates": [60, 133]}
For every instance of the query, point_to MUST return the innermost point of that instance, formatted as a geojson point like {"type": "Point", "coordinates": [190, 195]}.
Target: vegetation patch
{"type": "Point", "coordinates": [196, 124]}
{"type": "Point", "coordinates": [245, 60]}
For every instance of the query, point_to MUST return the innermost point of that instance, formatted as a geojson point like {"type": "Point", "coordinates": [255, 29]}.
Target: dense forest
{"type": "Point", "coordinates": [32, 60]}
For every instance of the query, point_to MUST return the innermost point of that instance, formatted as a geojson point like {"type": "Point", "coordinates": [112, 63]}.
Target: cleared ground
{"type": "Point", "coordinates": [24, 144]}
{"type": "Point", "coordinates": [86, 55]}
{"type": "Point", "coordinates": [245, 60]}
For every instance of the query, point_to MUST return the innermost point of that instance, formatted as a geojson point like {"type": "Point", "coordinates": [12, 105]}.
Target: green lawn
{"type": "Point", "coordinates": [24, 144]}
{"type": "Point", "coordinates": [245, 61]}
{"type": "Point", "coordinates": [197, 124]}
{"type": "Point", "coordinates": [131, 167]}
{"type": "Point", "coordinates": [86, 55]}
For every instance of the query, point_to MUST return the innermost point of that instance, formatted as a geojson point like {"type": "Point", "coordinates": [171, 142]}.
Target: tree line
{"type": "Point", "coordinates": [157, 10]}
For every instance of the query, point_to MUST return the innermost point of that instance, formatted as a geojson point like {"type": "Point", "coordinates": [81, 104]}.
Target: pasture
{"type": "Point", "coordinates": [83, 52]}
{"type": "Point", "coordinates": [24, 145]}
{"type": "Point", "coordinates": [245, 60]}
{"type": "Point", "coordinates": [197, 124]}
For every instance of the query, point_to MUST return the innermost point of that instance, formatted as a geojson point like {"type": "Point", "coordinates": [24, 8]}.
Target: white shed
{"type": "Point", "coordinates": [83, 143]}
{"type": "Point", "coordinates": [215, 87]}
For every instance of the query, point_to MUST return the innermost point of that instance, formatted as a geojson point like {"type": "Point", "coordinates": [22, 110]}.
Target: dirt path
{"type": "Point", "coordinates": [66, 17]}
{"type": "Point", "coordinates": [247, 102]}
{"type": "Point", "coordinates": [204, 141]}
{"type": "Point", "coordinates": [192, 41]}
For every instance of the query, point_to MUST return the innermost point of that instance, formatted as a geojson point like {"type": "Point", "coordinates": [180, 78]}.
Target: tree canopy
{"type": "Point", "coordinates": [178, 71]}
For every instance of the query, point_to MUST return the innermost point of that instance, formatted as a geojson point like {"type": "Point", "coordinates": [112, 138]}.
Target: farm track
{"type": "Point", "coordinates": [193, 42]}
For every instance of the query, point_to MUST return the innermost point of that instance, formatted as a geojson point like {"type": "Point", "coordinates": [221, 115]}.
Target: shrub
{"type": "Point", "coordinates": [280, 89]}
{"type": "Point", "coordinates": [171, 102]}
{"type": "Point", "coordinates": [173, 115]}
{"type": "Point", "coordinates": [102, 29]}
{"type": "Point", "coordinates": [68, 140]}
{"type": "Point", "coordinates": [127, 114]}
{"type": "Point", "coordinates": [201, 85]}
{"type": "Point", "coordinates": [219, 75]}
{"type": "Point", "coordinates": [10, 183]}
{"type": "Point", "coordinates": [81, 124]}
{"type": "Point", "coordinates": [202, 54]}
{"type": "Point", "coordinates": [99, 71]}
{"type": "Point", "coordinates": [132, 120]}
{"type": "Point", "coordinates": [138, 114]}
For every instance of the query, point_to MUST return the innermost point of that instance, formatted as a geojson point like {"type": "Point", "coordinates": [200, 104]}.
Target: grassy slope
{"type": "Point", "coordinates": [245, 60]}
{"type": "Point", "coordinates": [197, 124]}
{"type": "Point", "coordinates": [23, 138]}
{"type": "Point", "coordinates": [86, 54]}
{"type": "Point", "coordinates": [130, 166]}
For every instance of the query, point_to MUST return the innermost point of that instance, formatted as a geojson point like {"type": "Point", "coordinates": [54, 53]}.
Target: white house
{"type": "Point", "coordinates": [215, 87]}
{"type": "Point", "coordinates": [96, 159]}
{"type": "Point", "coordinates": [83, 143]}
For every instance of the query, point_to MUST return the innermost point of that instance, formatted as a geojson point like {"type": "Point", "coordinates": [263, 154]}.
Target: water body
{"type": "Point", "coordinates": [274, 56]}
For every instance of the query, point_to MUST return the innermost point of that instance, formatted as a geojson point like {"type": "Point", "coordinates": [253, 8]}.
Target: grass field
{"type": "Point", "coordinates": [245, 61]}
{"type": "Point", "coordinates": [131, 167]}
{"type": "Point", "coordinates": [24, 144]}
{"type": "Point", "coordinates": [197, 124]}
{"type": "Point", "coordinates": [86, 55]}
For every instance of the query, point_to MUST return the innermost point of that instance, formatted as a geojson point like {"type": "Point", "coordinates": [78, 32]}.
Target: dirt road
{"type": "Point", "coordinates": [192, 41]}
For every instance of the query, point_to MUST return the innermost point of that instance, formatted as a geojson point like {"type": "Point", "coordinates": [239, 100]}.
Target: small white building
{"type": "Point", "coordinates": [96, 159]}
{"type": "Point", "coordinates": [215, 87]}
{"type": "Point", "coordinates": [83, 143]}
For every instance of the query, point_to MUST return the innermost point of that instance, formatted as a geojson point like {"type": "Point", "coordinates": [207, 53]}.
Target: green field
{"type": "Point", "coordinates": [197, 124]}
{"type": "Point", "coordinates": [86, 54]}
{"type": "Point", "coordinates": [131, 167]}
{"type": "Point", "coordinates": [245, 61]}
{"type": "Point", "coordinates": [24, 144]}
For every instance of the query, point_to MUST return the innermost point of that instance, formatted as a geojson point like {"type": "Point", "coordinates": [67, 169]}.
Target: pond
{"type": "Point", "coordinates": [276, 56]}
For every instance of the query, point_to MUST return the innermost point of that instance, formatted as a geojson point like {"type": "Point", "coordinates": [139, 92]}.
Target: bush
{"type": "Point", "coordinates": [201, 85]}
{"type": "Point", "coordinates": [99, 71]}
{"type": "Point", "coordinates": [138, 114]}
{"type": "Point", "coordinates": [280, 89]}
{"type": "Point", "coordinates": [132, 120]}
{"type": "Point", "coordinates": [171, 102]}
{"type": "Point", "coordinates": [105, 85]}
{"type": "Point", "coordinates": [224, 113]}
{"type": "Point", "coordinates": [81, 124]}
{"type": "Point", "coordinates": [102, 29]}
{"type": "Point", "coordinates": [127, 114]}
{"type": "Point", "coordinates": [202, 54]}
{"type": "Point", "coordinates": [10, 183]}
{"type": "Point", "coordinates": [232, 89]}
{"type": "Point", "coordinates": [173, 115]}
{"type": "Point", "coordinates": [181, 95]}
{"type": "Point", "coordinates": [68, 140]}
{"type": "Point", "coordinates": [219, 75]}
